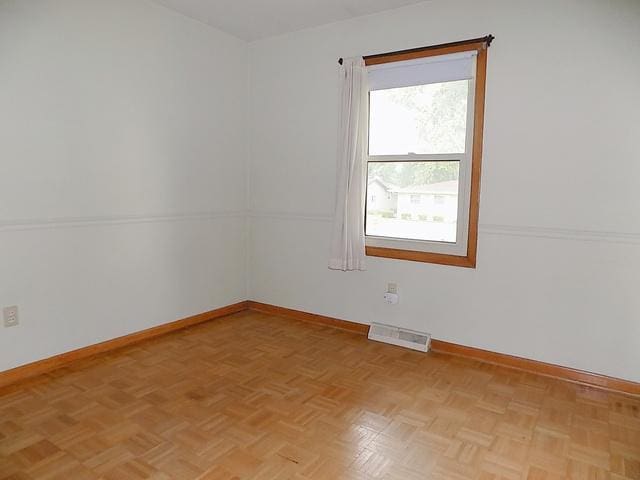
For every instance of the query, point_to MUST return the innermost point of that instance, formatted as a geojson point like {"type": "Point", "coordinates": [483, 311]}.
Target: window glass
{"type": "Point", "coordinates": [422, 201]}
{"type": "Point", "coordinates": [422, 119]}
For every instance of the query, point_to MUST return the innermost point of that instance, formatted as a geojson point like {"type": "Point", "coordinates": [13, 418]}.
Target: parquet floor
{"type": "Point", "coordinates": [259, 397]}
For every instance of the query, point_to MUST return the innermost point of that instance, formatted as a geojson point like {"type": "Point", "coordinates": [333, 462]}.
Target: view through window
{"type": "Point", "coordinates": [422, 202]}
{"type": "Point", "coordinates": [416, 199]}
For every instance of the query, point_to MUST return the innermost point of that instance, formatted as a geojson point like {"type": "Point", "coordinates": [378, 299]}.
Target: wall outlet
{"type": "Point", "coordinates": [10, 315]}
{"type": "Point", "coordinates": [392, 288]}
{"type": "Point", "coordinates": [391, 298]}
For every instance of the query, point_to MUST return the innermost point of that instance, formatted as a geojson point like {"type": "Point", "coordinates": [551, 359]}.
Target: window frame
{"type": "Point", "coordinates": [468, 257]}
{"type": "Point", "coordinates": [463, 159]}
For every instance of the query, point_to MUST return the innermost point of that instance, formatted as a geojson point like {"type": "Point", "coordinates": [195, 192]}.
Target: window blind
{"type": "Point", "coordinates": [422, 71]}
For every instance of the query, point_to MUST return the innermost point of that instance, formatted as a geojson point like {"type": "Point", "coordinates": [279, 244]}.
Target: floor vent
{"type": "Point", "coordinates": [400, 336]}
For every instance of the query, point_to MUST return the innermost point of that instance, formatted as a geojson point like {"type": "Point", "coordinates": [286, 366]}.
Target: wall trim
{"type": "Point", "coordinates": [561, 233]}
{"type": "Point", "coordinates": [75, 222]}
{"type": "Point", "coordinates": [569, 374]}
{"type": "Point", "coordinates": [292, 216]}
{"type": "Point", "coordinates": [572, 375]}
{"type": "Point", "coordinates": [52, 363]}
{"type": "Point", "coordinates": [526, 231]}
{"type": "Point", "coordinates": [354, 327]}
{"type": "Point", "coordinates": [594, 380]}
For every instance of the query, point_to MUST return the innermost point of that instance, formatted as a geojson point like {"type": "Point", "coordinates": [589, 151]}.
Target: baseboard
{"type": "Point", "coordinates": [360, 328]}
{"type": "Point", "coordinates": [524, 364]}
{"type": "Point", "coordinates": [48, 364]}
{"type": "Point", "coordinates": [540, 368]}
{"type": "Point", "coordinates": [532, 366]}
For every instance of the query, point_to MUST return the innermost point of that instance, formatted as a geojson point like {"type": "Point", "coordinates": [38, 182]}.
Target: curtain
{"type": "Point", "coordinates": [347, 244]}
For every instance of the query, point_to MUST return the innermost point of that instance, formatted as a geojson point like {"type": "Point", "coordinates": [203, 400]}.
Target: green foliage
{"type": "Point", "coordinates": [403, 174]}
{"type": "Point", "coordinates": [441, 111]}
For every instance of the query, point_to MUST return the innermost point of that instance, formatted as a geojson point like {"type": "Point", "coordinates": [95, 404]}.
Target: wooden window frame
{"type": "Point", "coordinates": [480, 45]}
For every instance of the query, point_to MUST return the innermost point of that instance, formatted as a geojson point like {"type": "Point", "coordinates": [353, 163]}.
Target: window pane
{"type": "Point", "coordinates": [413, 200]}
{"type": "Point", "coordinates": [424, 119]}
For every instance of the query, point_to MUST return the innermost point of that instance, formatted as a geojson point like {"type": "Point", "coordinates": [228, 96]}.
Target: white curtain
{"type": "Point", "coordinates": [347, 244]}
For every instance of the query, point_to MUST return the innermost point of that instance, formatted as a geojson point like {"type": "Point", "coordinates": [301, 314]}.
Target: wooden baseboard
{"type": "Point", "coordinates": [48, 364]}
{"type": "Point", "coordinates": [360, 328]}
{"type": "Point", "coordinates": [532, 366]}
{"type": "Point", "coordinates": [540, 368]}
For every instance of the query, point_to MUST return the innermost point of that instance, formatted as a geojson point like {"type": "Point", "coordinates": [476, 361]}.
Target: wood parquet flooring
{"type": "Point", "coordinates": [253, 396]}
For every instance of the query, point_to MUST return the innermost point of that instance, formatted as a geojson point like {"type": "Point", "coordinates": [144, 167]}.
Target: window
{"type": "Point", "coordinates": [426, 109]}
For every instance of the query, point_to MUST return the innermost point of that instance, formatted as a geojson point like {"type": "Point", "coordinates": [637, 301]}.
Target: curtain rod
{"type": "Point", "coordinates": [488, 39]}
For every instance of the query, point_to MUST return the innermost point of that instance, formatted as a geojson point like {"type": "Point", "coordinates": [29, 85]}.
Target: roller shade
{"type": "Point", "coordinates": [421, 71]}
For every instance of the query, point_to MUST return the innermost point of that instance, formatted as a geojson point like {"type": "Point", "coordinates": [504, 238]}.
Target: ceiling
{"type": "Point", "coordinates": [255, 19]}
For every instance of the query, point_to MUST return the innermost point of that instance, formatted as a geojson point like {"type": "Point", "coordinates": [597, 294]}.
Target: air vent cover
{"type": "Point", "coordinates": [400, 337]}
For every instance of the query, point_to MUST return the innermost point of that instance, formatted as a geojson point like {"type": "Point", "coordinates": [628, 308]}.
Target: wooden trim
{"type": "Point", "coordinates": [476, 156]}
{"type": "Point", "coordinates": [509, 361]}
{"type": "Point", "coordinates": [450, 47]}
{"type": "Point", "coordinates": [416, 256]}
{"type": "Point", "coordinates": [477, 44]}
{"type": "Point", "coordinates": [354, 327]}
{"type": "Point", "coordinates": [539, 368]}
{"type": "Point", "coordinates": [572, 375]}
{"type": "Point", "coordinates": [48, 364]}
{"type": "Point", "coordinates": [480, 45]}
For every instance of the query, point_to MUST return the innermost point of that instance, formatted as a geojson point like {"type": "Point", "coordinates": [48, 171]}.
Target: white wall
{"type": "Point", "coordinates": [122, 171]}
{"type": "Point", "coordinates": [123, 182]}
{"type": "Point", "coordinates": [559, 247]}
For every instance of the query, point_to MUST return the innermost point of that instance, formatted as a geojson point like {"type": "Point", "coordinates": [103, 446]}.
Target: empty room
{"type": "Point", "coordinates": [319, 239]}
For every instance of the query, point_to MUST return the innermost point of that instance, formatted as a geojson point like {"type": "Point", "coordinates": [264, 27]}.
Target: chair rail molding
{"type": "Point", "coordinates": [75, 222]}
{"type": "Point", "coordinates": [531, 231]}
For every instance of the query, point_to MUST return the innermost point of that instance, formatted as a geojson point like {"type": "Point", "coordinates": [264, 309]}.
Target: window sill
{"type": "Point", "coordinates": [468, 261]}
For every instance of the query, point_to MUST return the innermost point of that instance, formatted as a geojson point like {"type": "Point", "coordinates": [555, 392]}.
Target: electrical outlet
{"type": "Point", "coordinates": [391, 298]}
{"type": "Point", "coordinates": [10, 315]}
{"type": "Point", "coordinates": [392, 288]}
